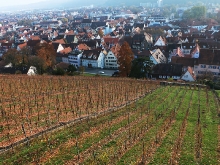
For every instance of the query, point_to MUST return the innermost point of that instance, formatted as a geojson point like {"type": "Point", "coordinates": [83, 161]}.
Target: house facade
{"type": "Point", "coordinates": [93, 59]}
{"type": "Point", "coordinates": [188, 75]}
{"type": "Point", "coordinates": [75, 58]}
{"type": "Point", "coordinates": [201, 69]}
{"type": "Point", "coordinates": [111, 61]}
{"type": "Point", "coordinates": [157, 57]}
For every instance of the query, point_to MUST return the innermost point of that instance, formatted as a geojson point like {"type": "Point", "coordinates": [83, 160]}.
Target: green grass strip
{"type": "Point", "coordinates": [209, 122]}
{"type": "Point", "coordinates": [188, 146]}
{"type": "Point", "coordinates": [163, 153]}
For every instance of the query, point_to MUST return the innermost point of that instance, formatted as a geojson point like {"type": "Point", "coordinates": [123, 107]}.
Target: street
{"type": "Point", "coordinates": [98, 71]}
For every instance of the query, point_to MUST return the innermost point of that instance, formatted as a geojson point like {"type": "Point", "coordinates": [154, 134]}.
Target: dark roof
{"type": "Point", "coordinates": [188, 45]}
{"type": "Point", "coordinates": [167, 69]}
{"type": "Point", "coordinates": [33, 43]}
{"type": "Point", "coordinates": [75, 24]}
{"type": "Point", "coordinates": [184, 61]}
{"type": "Point", "coordinates": [140, 25]}
{"type": "Point", "coordinates": [141, 54]}
{"type": "Point", "coordinates": [70, 38]}
{"type": "Point", "coordinates": [209, 56]}
{"type": "Point", "coordinates": [90, 43]}
{"type": "Point", "coordinates": [138, 37]}
{"type": "Point", "coordinates": [97, 24]}
{"type": "Point", "coordinates": [91, 54]}
{"type": "Point", "coordinates": [86, 21]}
{"type": "Point", "coordinates": [48, 22]}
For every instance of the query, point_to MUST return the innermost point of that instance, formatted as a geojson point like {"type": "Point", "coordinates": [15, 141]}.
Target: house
{"type": "Point", "coordinates": [161, 41]}
{"type": "Point", "coordinates": [195, 51]}
{"type": "Point", "coordinates": [62, 58]}
{"type": "Point", "coordinates": [186, 62]}
{"type": "Point", "coordinates": [21, 46]}
{"type": "Point", "coordinates": [208, 61]}
{"type": "Point", "coordinates": [32, 71]}
{"type": "Point", "coordinates": [138, 41]}
{"type": "Point", "coordinates": [166, 71]}
{"type": "Point", "coordinates": [93, 58]}
{"type": "Point", "coordinates": [188, 75]}
{"type": "Point", "coordinates": [187, 48]}
{"type": "Point", "coordinates": [86, 23]}
{"type": "Point", "coordinates": [111, 60]}
{"type": "Point", "coordinates": [75, 58]}
{"type": "Point", "coordinates": [157, 57]}
{"type": "Point", "coordinates": [141, 54]}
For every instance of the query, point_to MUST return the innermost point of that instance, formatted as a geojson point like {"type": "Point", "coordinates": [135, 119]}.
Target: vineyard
{"type": "Point", "coordinates": [106, 121]}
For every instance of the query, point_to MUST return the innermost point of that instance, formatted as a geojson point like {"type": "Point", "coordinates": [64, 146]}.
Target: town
{"type": "Point", "coordinates": [110, 82]}
{"type": "Point", "coordinates": [165, 43]}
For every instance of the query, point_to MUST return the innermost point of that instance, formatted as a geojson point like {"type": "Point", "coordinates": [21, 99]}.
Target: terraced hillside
{"type": "Point", "coordinates": [170, 125]}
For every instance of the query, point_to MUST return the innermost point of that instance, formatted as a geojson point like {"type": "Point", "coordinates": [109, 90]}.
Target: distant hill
{"type": "Point", "coordinates": [64, 4]}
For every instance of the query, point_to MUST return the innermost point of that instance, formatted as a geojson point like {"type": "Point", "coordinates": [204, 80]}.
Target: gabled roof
{"type": "Point", "coordinates": [83, 47]}
{"type": "Point", "coordinates": [66, 50]}
{"type": "Point", "coordinates": [91, 54]}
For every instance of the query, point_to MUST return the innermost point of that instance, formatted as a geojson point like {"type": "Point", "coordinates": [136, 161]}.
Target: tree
{"type": "Point", "coordinates": [46, 52]}
{"type": "Point", "coordinates": [196, 12]}
{"type": "Point", "coordinates": [25, 22]}
{"type": "Point", "coordinates": [141, 68]}
{"type": "Point", "coordinates": [38, 63]}
{"type": "Point", "coordinates": [100, 33]}
{"type": "Point", "coordinates": [64, 20]}
{"type": "Point", "coordinates": [81, 69]}
{"type": "Point", "coordinates": [125, 58]}
{"type": "Point", "coordinates": [71, 70]}
{"type": "Point", "coordinates": [12, 56]}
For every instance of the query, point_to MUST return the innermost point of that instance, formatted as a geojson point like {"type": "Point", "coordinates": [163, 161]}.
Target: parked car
{"type": "Point", "coordinates": [101, 72]}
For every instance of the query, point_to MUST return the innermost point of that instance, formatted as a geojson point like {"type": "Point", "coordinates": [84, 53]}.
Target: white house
{"type": "Point", "coordinates": [160, 42]}
{"type": "Point", "coordinates": [188, 75]}
{"type": "Point", "coordinates": [111, 60]}
{"type": "Point", "coordinates": [75, 58]}
{"type": "Point", "coordinates": [93, 58]}
{"type": "Point", "coordinates": [157, 56]}
{"type": "Point", "coordinates": [32, 71]}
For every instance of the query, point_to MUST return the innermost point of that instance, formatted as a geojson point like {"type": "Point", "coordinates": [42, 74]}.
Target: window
{"type": "Point", "coordinates": [203, 66]}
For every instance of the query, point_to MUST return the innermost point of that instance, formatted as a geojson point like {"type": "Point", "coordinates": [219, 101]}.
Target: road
{"type": "Point", "coordinates": [96, 71]}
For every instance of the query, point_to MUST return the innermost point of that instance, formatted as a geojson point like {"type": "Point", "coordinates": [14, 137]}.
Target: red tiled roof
{"type": "Point", "coordinates": [22, 45]}
{"type": "Point", "coordinates": [66, 50]}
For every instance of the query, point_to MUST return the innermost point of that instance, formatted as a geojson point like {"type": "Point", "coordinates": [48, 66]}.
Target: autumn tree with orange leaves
{"type": "Point", "coordinates": [47, 53]}
{"type": "Point", "coordinates": [125, 58]}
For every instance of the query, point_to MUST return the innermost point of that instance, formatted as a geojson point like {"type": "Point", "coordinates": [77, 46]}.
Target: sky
{"type": "Point", "coordinates": [17, 2]}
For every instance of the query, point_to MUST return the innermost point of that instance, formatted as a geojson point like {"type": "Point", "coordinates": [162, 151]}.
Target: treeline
{"type": "Point", "coordinates": [43, 57]}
